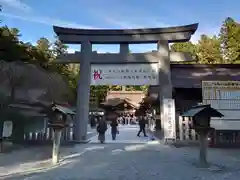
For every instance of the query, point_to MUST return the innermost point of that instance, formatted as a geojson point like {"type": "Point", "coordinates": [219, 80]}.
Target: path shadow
{"type": "Point", "coordinates": [100, 160]}
{"type": "Point", "coordinates": [29, 155]}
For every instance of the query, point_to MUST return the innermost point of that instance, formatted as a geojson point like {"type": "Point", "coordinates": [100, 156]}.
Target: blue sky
{"type": "Point", "coordinates": [35, 18]}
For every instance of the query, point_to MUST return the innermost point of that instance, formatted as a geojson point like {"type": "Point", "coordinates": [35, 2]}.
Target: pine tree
{"type": "Point", "coordinates": [209, 50]}
{"type": "Point", "coordinates": [230, 40]}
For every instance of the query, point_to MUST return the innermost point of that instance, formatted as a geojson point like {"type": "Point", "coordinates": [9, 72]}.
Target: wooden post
{"type": "Point", "coordinates": [181, 128]}
{"type": "Point", "coordinates": [186, 122]}
{"type": "Point", "coordinates": [56, 145]}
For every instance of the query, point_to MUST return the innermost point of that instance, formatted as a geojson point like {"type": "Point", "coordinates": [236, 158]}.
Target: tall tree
{"type": "Point", "coordinates": [185, 47]}
{"type": "Point", "coordinates": [230, 40]}
{"type": "Point", "coordinates": [12, 49]}
{"type": "Point", "coordinates": [68, 71]}
{"type": "Point", "coordinates": [209, 50]}
{"type": "Point", "coordinates": [59, 48]}
{"type": "Point", "coordinates": [15, 32]}
{"type": "Point", "coordinates": [43, 53]}
{"type": "Point", "coordinates": [10, 46]}
{"type": "Point", "coordinates": [43, 44]}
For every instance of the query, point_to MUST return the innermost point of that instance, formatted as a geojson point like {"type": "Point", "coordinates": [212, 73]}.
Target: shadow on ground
{"type": "Point", "coordinates": [135, 161]}
{"type": "Point", "coordinates": [85, 159]}
{"type": "Point", "coordinates": [28, 153]}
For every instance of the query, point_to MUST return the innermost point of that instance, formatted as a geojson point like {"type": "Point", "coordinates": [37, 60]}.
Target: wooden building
{"type": "Point", "coordinates": [187, 81]}
{"type": "Point", "coordinates": [187, 91]}
{"type": "Point", "coordinates": [121, 102]}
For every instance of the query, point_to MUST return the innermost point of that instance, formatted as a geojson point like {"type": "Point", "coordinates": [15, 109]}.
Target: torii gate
{"type": "Point", "coordinates": [122, 68]}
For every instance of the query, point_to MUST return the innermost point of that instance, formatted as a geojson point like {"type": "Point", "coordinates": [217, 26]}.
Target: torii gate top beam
{"type": "Point", "coordinates": [129, 36]}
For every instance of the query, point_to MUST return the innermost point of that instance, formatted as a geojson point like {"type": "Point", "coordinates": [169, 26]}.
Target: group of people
{"type": "Point", "coordinates": [127, 119]}
{"type": "Point", "coordinates": [102, 127]}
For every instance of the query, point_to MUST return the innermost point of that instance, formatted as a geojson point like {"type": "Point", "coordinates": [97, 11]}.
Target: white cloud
{"type": "Point", "coordinates": [27, 15]}
{"type": "Point", "coordinates": [16, 4]}
{"type": "Point", "coordinates": [151, 23]}
{"type": "Point", "coordinates": [121, 24]}
{"type": "Point", "coordinates": [46, 21]}
{"type": "Point", "coordinates": [126, 22]}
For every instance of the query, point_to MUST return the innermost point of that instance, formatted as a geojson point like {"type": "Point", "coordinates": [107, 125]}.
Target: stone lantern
{"type": "Point", "coordinates": [57, 121]}
{"type": "Point", "coordinates": [201, 118]}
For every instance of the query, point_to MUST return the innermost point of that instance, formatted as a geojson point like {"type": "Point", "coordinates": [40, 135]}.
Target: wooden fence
{"type": "Point", "coordinates": [46, 136]}
{"type": "Point", "coordinates": [185, 129]}
{"type": "Point", "coordinates": [217, 138]}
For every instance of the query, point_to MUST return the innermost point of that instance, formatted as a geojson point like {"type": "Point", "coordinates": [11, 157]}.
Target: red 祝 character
{"type": "Point", "coordinates": [97, 75]}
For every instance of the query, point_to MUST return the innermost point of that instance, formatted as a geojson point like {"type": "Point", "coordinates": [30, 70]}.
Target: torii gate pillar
{"type": "Point", "coordinates": [165, 83]}
{"type": "Point", "coordinates": [124, 37]}
{"type": "Point", "coordinates": [83, 94]}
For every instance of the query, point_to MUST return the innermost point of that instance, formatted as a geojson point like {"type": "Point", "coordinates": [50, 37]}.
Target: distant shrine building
{"type": "Point", "coordinates": [158, 69]}
{"type": "Point", "coordinates": [122, 103]}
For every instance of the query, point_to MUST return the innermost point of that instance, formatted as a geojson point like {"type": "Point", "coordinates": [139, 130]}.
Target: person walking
{"type": "Point", "coordinates": [93, 122]}
{"type": "Point", "coordinates": [124, 119]}
{"type": "Point", "coordinates": [142, 125]}
{"type": "Point", "coordinates": [101, 129]}
{"type": "Point", "coordinates": [114, 129]}
{"type": "Point", "coordinates": [120, 120]}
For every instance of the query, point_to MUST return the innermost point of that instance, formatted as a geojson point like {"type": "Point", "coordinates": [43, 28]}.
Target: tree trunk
{"type": "Point", "coordinates": [56, 146]}
{"type": "Point", "coordinates": [203, 149]}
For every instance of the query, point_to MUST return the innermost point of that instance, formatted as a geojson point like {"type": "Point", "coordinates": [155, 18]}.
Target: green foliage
{"type": "Point", "coordinates": [43, 54]}
{"type": "Point", "coordinates": [224, 48]}
{"type": "Point", "coordinates": [230, 39]}
{"type": "Point", "coordinates": [209, 50]}
{"type": "Point", "coordinates": [185, 47]}
{"type": "Point", "coordinates": [137, 88]}
{"type": "Point", "coordinates": [10, 46]}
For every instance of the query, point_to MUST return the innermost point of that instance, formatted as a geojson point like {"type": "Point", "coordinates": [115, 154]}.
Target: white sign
{"type": "Point", "coordinates": [169, 119]}
{"type": "Point", "coordinates": [7, 129]}
{"type": "Point", "coordinates": [224, 96]}
{"type": "Point", "coordinates": [124, 74]}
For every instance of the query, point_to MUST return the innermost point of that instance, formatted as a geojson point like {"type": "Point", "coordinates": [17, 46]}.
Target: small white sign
{"type": "Point", "coordinates": [124, 74]}
{"type": "Point", "coordinates": [223, 96]}
{"type": "Point", "coordinates": [169, 119]}
{"type": "Point", "coordinates": [7, 129]}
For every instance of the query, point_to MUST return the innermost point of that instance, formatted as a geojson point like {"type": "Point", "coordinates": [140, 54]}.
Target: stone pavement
{"type": "Point", "coordinates": [127, 134]}
{"type": "Point", "coordinates": [136, 158]}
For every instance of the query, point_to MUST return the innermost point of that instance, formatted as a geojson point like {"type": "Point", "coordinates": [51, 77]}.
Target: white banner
{"type": "Point", "coordinates": [124, 74]}
{"type": "Point", "coordinates": [169, 119]}
{"type": "Point", "coordinates": [7, 129]}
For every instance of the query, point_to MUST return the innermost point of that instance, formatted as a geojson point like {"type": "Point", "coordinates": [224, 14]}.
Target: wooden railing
{"type": "Point", "coordinates": [47, 136]}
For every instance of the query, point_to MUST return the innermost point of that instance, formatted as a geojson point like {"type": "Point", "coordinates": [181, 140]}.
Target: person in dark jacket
{"type": "Point", "coordinates": [142, 125]}
{"type": "Point", "coordinates": [114, 129]}
{"type": "Point", "coordinates": [93, 122]}
{"type": "Point", "coordinates": [101, 129]}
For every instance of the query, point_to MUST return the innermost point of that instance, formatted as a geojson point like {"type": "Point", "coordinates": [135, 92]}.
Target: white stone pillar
{"type": "Point", "coordinates": [82, 112]}
{"type": "Point", "coordinates": [165, 84]}
{"type": "Point", "coordinates": [56, 145]}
